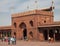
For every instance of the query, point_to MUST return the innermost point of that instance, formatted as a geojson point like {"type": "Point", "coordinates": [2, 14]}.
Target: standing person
{"type": "Point", "coordinates": [11, 40]}
{"type": "Point", "coordinates": [15, 39]}
{"type": "Point", "coordinates": [5, 38]}
{"type": "Point", "coordinates": [49, 39]}
{"type": "Point", "coordinates": [8, 40]}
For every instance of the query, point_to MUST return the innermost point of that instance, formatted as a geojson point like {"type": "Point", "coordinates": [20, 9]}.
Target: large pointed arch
{"type": "Point", "coordinates": [22, 25]}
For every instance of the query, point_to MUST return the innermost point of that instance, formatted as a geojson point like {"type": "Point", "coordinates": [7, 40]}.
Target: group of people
{"type": "Point", "coordinates": [51, 39]}
{"type": "Point", "coordinates": [10, 40]}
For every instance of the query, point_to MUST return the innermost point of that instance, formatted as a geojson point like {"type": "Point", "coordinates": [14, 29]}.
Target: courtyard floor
{"type": "Point", "coordinates": [31, 43]}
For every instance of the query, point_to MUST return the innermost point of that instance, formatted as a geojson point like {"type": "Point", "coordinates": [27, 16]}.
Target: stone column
{"type": "Point", "coordinates": [48, 34]}
{"type": "Point", "coordinates": [0, 34]}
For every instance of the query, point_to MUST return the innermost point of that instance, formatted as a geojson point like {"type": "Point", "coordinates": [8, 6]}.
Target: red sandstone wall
{"type": "Point", "coordinates": [37, 19]}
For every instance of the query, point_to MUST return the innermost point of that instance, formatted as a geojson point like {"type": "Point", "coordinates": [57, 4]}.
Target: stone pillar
{"type": "Point", "coordinates": [0, 34]}
{"type": "Point", "coordinates": [12, 33]}
{"type": "Point", "coordinates": [6, 33]}
{"type": "Point", "coordinates": [19, 34]}
{"type": "Point", "coordinates": [35, 34]}
{"type": "Point", "coordinates": [54, 34]}
{"type": "Point", "coordinates": [48, 34]}
{"type": "Point", "coordinates": [40, 35]}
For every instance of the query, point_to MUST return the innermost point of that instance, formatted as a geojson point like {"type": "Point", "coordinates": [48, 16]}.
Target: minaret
{"type": "Point", "coordinates": [11, 9]}
{"type": "Point", "coordinates": [36, 4]}
{"type": "Point", "coordinates": [27, 7]}
{"type": "Point", "coordinates": [52, 5]}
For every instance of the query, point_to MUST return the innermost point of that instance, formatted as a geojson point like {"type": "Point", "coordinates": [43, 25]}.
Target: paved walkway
{"type": "Point", "coordinates": [31, 43]}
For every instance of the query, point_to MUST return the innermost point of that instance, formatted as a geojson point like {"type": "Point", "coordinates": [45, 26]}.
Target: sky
{"type": "Point", "coordinates": [8, 7]}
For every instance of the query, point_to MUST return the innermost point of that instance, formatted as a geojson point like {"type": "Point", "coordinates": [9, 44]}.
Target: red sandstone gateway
{"type": "Point", "coordinates": [33, 25]}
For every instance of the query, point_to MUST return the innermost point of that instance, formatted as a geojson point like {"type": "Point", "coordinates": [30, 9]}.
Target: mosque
{"type": "Point", "coordinates": [33, 25]}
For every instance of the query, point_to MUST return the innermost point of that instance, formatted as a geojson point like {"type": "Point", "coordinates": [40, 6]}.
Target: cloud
{"type": "Point", "coordinates": [21, 6]}
{"type": "Point", "coordinates": [6, 4]}
{"type": "Point", "coordinates": [57, 7]}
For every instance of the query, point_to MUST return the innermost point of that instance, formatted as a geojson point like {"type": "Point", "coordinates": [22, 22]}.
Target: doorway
{"type": "Point", "coordinates": [25, 34]}
{"type": "Point", "coordinates": [45, 34]}
{"type": "Point", "coordinates": [57, 35]}
{"type": "Point", "coordinates": [51, 33]}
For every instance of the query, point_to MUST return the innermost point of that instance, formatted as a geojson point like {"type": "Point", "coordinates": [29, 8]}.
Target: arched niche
{"type": "Point", "coordinates": [15, 24]}
{"type": "Point", "coordinates": [31, 23]}
{"type": "Point", "coordinates": [22, 25]}
{"type": "Point", "coordinates": [31, 33]}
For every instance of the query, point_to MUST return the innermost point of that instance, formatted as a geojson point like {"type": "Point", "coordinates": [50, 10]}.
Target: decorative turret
{"type": "Point", "coordinates": [52, 6]}
{"type": "Point", "coordinates": [36, 3]}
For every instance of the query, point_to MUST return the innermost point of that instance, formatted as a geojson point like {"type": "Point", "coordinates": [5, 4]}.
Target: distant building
{"type": "Point", "coordinates": [33, 25]}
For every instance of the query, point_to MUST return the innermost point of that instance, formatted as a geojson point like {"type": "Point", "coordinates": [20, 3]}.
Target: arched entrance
{"type": "Point", "coordinates": [25, 34]}
{"type": "Point", "coordinates": [23, 26]}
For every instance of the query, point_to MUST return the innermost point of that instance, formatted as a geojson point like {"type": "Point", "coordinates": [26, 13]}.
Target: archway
{"type": "Point", "coordinates": [23, 26]}
{"type": "Point", "coordinates": [51, 33]}
{"type": "Point", "coordinates": [57, 35]}
{"type": "Point", "coordinates": [25, 33]}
